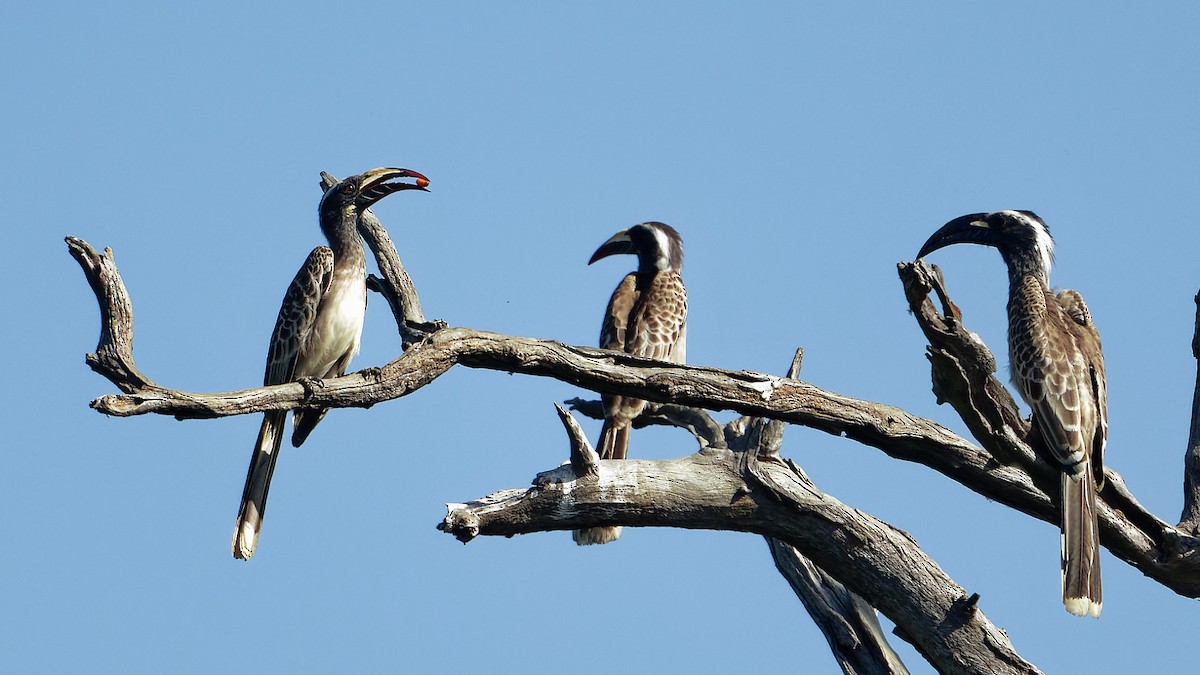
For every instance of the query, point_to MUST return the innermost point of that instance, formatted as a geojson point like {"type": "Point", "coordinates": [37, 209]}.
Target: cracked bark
{"type": "Point", "coordinates": [846, 619]}
{"type": "Point", "coordinates": [848, 622]}
{"type": "Point", "coordinates": [723, 489]}
{"type": "Point", "coordinates": [1160, 550]}
{"type": "Point", "coordinates": [1005, 469]}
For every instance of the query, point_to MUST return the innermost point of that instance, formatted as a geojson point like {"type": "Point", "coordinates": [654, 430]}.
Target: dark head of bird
{"type": "Point", "coordinates": [657, 245]}
{"type": "Point", "coordinates": [350, 196]}
{"type": "Point", "coordinates": [1022, 238]}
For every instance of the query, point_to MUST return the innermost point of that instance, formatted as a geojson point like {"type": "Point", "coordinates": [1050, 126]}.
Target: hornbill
{"type": "Point", "coordinates": [1057, 366]}
{"type": "Point", "coordinates": [318, 329]}
{"type": "Point", "coordinates": [646, 316]}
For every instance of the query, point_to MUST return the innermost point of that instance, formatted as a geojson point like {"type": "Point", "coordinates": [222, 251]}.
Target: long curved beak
{"type": "Point", "coordinates": [616, 244]}
{"type": "Point", "coordinates": [969, 229]}
{"type": "Point", "coordinates": [379, 183]}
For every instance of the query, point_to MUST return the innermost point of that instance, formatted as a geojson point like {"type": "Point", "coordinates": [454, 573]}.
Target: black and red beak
{"type": "Point", "coordinates": [379, 183]}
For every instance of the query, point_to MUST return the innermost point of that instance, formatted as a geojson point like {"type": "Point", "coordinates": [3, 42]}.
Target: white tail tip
{"type": "Point", "coordinates": [245, 539]}
{"type": "Point", "coordinates": [1082, 607]}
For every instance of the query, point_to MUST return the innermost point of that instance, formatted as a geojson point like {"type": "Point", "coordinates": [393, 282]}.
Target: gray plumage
{"type": "Point", "coordinates": [1058, 367]}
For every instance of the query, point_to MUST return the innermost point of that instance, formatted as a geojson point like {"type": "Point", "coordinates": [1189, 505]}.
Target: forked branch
{"type": "Point", "coordinates": [722, 489]}
{"type": "Point", "coordinates": [1155, 547]}
{"type": "Point", "coordinates": [737, 481]}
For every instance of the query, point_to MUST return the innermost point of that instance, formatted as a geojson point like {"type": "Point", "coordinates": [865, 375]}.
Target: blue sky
{"type": "Point", "coordinates": [801, 150]}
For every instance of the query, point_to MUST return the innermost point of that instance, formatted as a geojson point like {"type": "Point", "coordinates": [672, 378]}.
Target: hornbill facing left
{"type": "Point", "coordinates": [318, 329]}
{"type": "Point", "coordinates": [1057, 366]}
{"type": "Point", "coordinates": [646, 316]}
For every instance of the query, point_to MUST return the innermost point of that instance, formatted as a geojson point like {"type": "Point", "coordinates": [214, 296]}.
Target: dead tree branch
{"type": "Point", "coordinates": [848, 622]}
{"type": "Point", "coordinates": [737, 481]}
{"type": "Point", "coordinates": [1158, 549]}
{"type": "Point", "coordinates": [719, 489]}
{"type": "Point", "coordinates": [113, 357]}
{"type": "Point", "coordinates": [698, 422]}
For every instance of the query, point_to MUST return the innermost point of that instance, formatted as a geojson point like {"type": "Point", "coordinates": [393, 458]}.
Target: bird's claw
{"type": "Point", "coordinates": [311, 386]}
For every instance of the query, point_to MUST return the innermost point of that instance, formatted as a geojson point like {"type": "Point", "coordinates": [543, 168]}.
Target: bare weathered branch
{"type": "Point", "coordinates": [847, 620]}
{"type": "Point", "coordinates": [698, 422]}
{"type": "Point", "coordinates": [584, 458]}
{"type": "Point", "coordinates": [113, 357]}
{"type": "Point", "coordinates": [714, 490]}
{"type": "Point", "coordinates": [1156, 548]}
{"type": "Point", "coordinates": [964, 369]}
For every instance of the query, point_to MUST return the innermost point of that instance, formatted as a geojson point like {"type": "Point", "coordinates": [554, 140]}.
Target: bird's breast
{"type": "Point", "coordinates": [338, 325]}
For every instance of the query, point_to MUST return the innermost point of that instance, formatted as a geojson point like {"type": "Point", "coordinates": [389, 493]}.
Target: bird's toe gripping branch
{"type": "Point", "coordinates": [311, 386]}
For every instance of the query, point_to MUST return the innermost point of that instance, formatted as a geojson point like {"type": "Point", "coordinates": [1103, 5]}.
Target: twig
{"type": "Point", "coordinates": [584, 459]}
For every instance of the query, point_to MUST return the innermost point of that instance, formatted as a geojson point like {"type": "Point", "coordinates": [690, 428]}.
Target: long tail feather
{"type": "Point", "coordinates": [1080, 544]}
{"type": "Point", "coordinates": [258, 482]}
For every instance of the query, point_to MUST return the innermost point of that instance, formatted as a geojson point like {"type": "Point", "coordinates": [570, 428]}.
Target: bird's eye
{"type": "Point", "coordinates": [347, 188]}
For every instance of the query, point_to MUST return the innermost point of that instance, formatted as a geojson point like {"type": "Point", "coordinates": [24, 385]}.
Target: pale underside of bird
{"type": "Point", "coordinates": [1057, 366]}
{"type": "Point", "coordinates": [646, 316]}
{"type": "Point", "coordinates": [318, 329]}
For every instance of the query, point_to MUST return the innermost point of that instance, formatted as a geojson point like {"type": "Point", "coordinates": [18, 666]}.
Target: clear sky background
{"type": "Point", "coordinates": [802, 149]}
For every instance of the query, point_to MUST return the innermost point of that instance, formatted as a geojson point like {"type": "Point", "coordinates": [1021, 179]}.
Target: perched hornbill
{"type": "Point", "coordinates": [1057, 365]}
{"type": "Point", "coordinates": [318, 329]}
{"type": "Point", "coordinates": [646, 316]}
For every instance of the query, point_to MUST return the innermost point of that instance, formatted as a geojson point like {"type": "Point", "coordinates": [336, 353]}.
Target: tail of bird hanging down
{"type": "Point", "coordinates": [614, 444]}
{"type": "Point", "coordinates": [258, 482]}
{"type": "Point", "coordinates": [1080, 544]}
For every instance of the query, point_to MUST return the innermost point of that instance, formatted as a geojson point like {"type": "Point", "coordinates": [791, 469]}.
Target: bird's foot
{"type": "Point", "coordinates": [311, 386]}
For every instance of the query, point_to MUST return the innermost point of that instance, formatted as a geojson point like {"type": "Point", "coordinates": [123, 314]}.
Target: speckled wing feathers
{"type": "Point", "coordinates": [1088, 339]}
{"type": "Point", "coordinates": [297, 315]}
{"type": "Point", "coordinates": [660, 319]}
{"type": "Point", "coordinates": [645, 317]}
{"type": "Point", "coordinates": [618, 313]}
{"type": "Point", "coordinates": [1054, 350]}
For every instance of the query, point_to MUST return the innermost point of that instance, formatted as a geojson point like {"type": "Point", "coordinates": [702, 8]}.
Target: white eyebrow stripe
{"type": "Point", "coordinates": [663, 258]}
